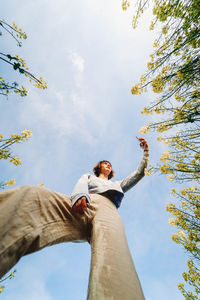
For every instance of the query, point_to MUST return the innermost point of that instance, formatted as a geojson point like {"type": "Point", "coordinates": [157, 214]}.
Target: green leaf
{"type": "Point", "coordinates": [16, 66]}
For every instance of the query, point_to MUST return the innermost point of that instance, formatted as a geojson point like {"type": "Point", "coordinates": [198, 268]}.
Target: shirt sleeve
{"type": "Point", "coordinates": [81, 189]}
{"type": "Point", "coordinates": [128, 182]}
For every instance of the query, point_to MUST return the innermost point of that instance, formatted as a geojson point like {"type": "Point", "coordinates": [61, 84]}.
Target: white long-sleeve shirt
{"type": "Point", "coordinates": [114, 190]}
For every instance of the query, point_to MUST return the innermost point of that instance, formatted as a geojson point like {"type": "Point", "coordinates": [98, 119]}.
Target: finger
{"type": "Point", "coordinates": [78, 202]}
{"type": "Point", "coordinates": [83, 205]}
{"type": "Point", "coordinates": [84, 202]}
{"type": "Point", "coordinates": [83, 208]}
{"type": "Point", "coordinates": [79, 209]}
{"type": "Point", "coordinates": [76, 206]}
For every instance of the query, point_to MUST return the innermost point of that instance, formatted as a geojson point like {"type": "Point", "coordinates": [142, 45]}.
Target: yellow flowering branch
{"type": "Point", "coordinates": [173, 73]}
{"type": "Point", "coordinates": [18, 64]}
{"type": "Point", "coordinates": [5, 151]}
{"type": "Point", "coordinates": [10, 276]}
{"type": "Point", "coordinates": [186, 218]}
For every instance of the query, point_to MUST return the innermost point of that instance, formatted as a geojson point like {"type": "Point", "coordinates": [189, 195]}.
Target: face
{"type": "Point", "coordinates": [105, 168]}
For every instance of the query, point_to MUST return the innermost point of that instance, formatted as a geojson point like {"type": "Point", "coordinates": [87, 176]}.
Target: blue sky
{"type": "Point", "coordinates": [90, 57]}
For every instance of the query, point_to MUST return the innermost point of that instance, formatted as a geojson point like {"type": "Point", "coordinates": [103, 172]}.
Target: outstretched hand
{"type": "Point", "coordinates": [143, 143]}
{"type": "Point", "coordinates": [80, 206]}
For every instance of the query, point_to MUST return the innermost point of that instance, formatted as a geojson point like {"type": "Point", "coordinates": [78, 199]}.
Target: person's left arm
{"type": "Point", "coordinates": [128, 182]}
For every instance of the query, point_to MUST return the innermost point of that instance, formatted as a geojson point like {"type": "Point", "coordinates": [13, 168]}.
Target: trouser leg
{"type": "Point", "coordinates": [32, 218]}
{"type": "Point", "coordinates": [113, 275]}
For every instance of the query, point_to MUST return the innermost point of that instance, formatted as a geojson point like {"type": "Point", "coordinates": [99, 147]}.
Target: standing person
{"type": "Point", "coordinates": [32, 218]}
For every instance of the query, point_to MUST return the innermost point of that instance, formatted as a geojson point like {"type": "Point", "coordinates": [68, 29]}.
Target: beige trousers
{"type": "Point", "coordinates": [33, 217]}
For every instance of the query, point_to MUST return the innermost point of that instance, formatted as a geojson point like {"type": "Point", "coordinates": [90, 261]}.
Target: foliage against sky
{"type": "Point", "coordinates": [174, 74]}
{"type": "Point", "coordinates": [6, 87]}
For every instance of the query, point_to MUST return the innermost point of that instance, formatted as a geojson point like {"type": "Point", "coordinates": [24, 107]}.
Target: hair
{"type": "Point", "coordinates": [97, 169]}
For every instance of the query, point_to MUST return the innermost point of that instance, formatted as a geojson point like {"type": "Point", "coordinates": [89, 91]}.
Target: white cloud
{"type": "Point", "coordinates": [77, 61]}
{"type": "Point", "coordinates": [65, 114]}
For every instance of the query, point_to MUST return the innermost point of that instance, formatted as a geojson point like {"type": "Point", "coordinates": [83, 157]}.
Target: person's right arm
{"type": "Point", "coordinates": [80, 195]}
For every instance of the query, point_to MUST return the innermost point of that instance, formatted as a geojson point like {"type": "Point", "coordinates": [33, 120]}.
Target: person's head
{"type": "Point", "coordinates": [104, 167]}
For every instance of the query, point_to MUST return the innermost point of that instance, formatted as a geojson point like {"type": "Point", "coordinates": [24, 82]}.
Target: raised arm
{"type": "Point", "coordinates": [128, 182]}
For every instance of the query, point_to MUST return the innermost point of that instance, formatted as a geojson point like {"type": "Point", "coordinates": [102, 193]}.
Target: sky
{"type": "Point", "coordinates": [90, 57]}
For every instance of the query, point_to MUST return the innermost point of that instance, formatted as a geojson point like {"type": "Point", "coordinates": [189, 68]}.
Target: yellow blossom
{"type": "Point", "coordinates": [150, 65]}
{"type": "Point", "coordinates": [181, 233]}
{"type": "Point", "coordinates": [159, 139]}
{"type": "Point", "coordinates": [158, 84]}
{"type": "Point", "coordinates": [180, 75]}
{"type": "Point", "coordinates": [183, 203]}
{"type": "Point", "coordinates": [15, 160]}
{"type": "Point", "coordinates": [166, 155]}
{"type": "Point", "coordinates": [147, 172]}
{"type": "Point", "coordinates": [177, 97]}
{"type": "Point", "coordinates": [151, 56]}
{"type": "Point", "coordinates": [135, 90]}
{"type": "Point", "coordinates": [41, 184]}
{"type": "Point", "coordinates": [165, 30]}
{"type": "Point", "coordinates": [155, 44]}
{"type": "Point", "coordinates": [170, 177]}
{"type": "Point", "coordinates": [134, 22]}
{"type": "Point", "coordinates": [41, 84]}
{"type": "Point", "coordinates": [163, 127]}
{"type": "Point", "coordinates": [166, 141]}
{"type": "Point", "coordinates": [166, 169]}
{"type": "Point", "coordinates": [193, 189]}
{"type": "Point", "coordinates": [151, 26]}
{"type": "Point", "coordinates": [170, 207]}
{"type": "Point", "coordinates": [26, 133]}
{"type": "Point", "coordinates": [15, 136]}
{"type": "Point", "coordinates": [125, 4]}
{"type": "Point", "coordinates": [10, 182]}
{"type": "Point", "coordinates": [183, 192]}
{"type": "Point", "coordinates": [145, 111]}
{"type": "Point", "coordinates": [180, 286]}
{"type": "Point", "coordinates": [172, 222]}
{"type": "Point", "coordinates": [144, 129]}
{"type": "Point", "coordinates": [14, 25]}
{"type": "Point", "coordinates": [23, 92]}
{"type": "Point", "coordinates": [175, 238]}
